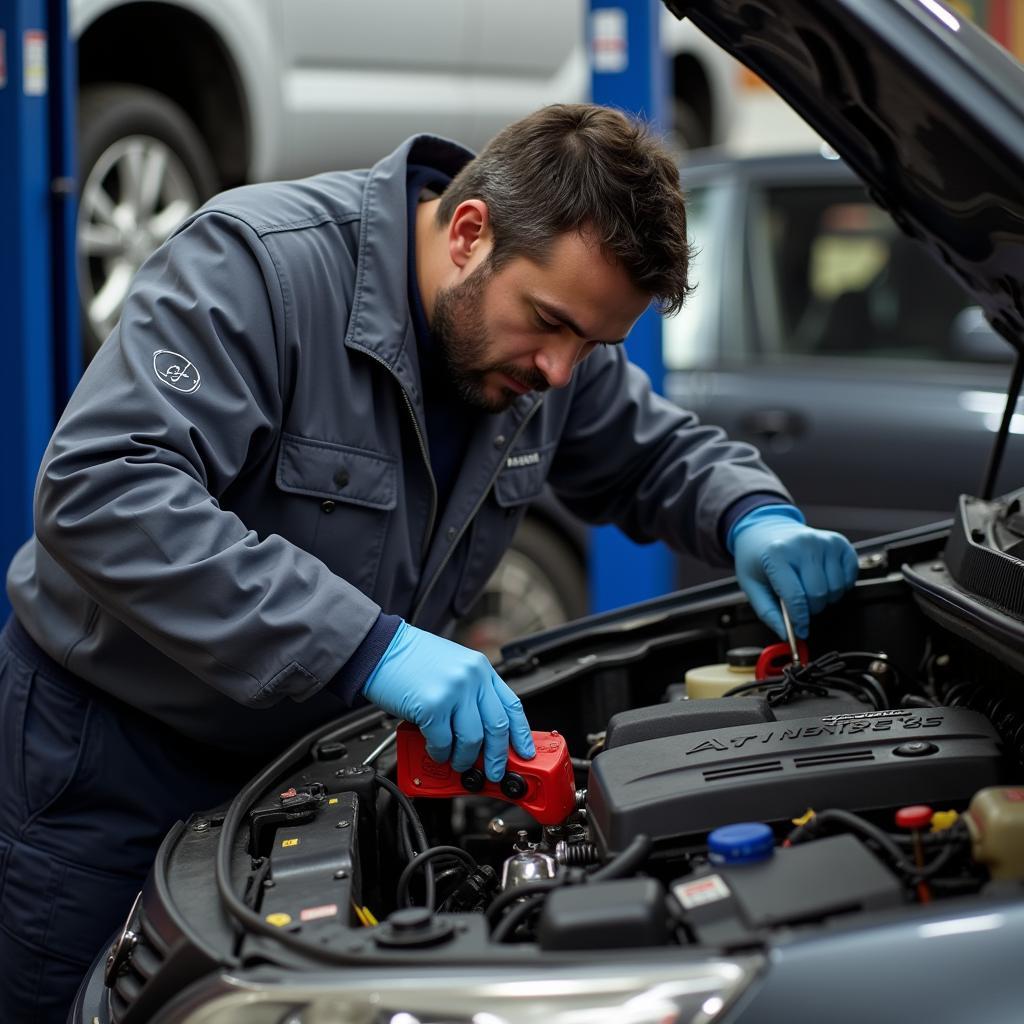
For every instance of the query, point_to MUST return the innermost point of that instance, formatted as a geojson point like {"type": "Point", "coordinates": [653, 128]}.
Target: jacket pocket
{"type": "Point", "coordinates": [337, 472]}
{"type": "Point", "coordinates": [350, 493]}
{"type": "Point", "coordinates": [520, 482]}
{"type": "Point", "coordinates": [52, 741]}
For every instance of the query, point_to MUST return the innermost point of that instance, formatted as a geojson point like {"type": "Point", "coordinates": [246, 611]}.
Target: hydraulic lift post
{"type": "Point", "coordinates": [38, 301]}
{"type": "Point", "coordinates": [628, 71]}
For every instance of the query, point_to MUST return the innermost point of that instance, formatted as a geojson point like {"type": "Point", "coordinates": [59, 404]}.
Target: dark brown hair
{"type": "Point", "coordinates": [570, 167]}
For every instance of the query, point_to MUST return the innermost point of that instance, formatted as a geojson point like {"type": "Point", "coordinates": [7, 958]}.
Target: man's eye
{"type": "Point", "coordinates": [546, 325]}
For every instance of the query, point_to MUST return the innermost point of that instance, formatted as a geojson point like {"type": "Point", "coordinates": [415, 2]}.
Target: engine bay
{"type": "Point", "coordinates": [692, 789]}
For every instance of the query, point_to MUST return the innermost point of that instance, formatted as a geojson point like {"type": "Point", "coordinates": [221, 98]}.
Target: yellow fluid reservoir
{"type": "Point", "coordinates": [995, 820]}
{"type": "Point", "coordinates": [717, 680]}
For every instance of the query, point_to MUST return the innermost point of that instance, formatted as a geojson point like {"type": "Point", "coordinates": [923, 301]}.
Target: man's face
{"type": "Point", "coordinates": [528, 325]}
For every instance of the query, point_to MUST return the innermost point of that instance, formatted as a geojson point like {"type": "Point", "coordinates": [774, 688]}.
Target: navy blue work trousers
{"type": "Point", "coordinates": [90, 788]}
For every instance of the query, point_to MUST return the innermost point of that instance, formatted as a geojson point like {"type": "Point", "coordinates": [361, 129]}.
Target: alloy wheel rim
{"type": "Point", "coordinates": [135, 195]}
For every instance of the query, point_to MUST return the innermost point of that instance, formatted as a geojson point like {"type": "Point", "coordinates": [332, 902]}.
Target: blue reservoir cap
{"type": "Point", "coordinates": [744, 843]}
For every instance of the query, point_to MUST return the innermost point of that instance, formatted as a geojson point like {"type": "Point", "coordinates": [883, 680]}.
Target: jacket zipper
{"type": "Point", "coordinates": [423, 452]}
{"type": "Point", "coordinates": [472, 515]}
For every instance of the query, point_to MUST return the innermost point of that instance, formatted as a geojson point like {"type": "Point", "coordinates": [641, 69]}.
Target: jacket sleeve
{"type": "Point", "coordinates": [629, 456]}
{"type": "Point", "coordinates": [181, 399]}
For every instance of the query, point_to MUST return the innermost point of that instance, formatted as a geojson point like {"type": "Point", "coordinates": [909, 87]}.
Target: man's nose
{"type": "Point", "coordinates": [556, 362]}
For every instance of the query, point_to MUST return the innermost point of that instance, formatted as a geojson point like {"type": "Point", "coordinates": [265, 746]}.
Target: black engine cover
{"type": "Point", "coordinates": [679, 787]}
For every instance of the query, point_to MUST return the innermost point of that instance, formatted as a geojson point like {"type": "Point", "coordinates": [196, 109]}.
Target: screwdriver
{"type": "Point", "coordinates": [790, 635]}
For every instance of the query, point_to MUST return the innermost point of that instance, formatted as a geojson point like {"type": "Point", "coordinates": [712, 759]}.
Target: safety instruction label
{"type": "Point", "coordinates": [34, 63]}
{"type": "Point", "coordinates": [289, 842]}
{"type": "Point", "coordinates": [3, 58]}
{"type": "Point", "coordinates": [709, 889]}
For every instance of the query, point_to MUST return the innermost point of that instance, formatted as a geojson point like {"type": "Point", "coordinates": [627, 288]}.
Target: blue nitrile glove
{"type": "Point", "coordinates": [443, 687]}
{"type": "Point", "coordinates": [778, 557]}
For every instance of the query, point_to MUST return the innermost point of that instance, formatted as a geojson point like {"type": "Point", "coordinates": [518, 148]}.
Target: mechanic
{"type": "Point", "coordinates": [297, 460]}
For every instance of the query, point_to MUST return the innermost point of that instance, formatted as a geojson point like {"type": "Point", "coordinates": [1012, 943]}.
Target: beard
{"type": "Point", "coordinates": [460, 331]}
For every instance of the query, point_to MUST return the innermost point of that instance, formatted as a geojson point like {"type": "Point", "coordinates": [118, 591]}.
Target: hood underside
{"type": "Point", "coordinates": [921, 104]}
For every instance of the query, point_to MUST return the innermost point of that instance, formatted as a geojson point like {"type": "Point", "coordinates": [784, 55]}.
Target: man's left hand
{"type": "Point", "coordinates": [779, 558]}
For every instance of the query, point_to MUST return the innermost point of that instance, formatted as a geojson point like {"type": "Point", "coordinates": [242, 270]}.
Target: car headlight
{"type": "Point", "coordinates": [684, 992]}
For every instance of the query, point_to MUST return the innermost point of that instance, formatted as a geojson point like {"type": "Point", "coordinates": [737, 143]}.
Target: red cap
{"type": "Point", "coordinates": [915, 816]}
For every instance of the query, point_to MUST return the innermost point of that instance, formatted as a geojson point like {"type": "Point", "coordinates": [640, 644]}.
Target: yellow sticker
{"type": "Point", "coordinates": [290, 842]}
{"type": "Point", "coordinates": [333, 800]}
{"type": "Point", "coordinates": [279, 920]}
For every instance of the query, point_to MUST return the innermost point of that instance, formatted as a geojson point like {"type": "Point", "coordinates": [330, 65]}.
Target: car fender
{"type": "Point", "coordinates": [250, 43]}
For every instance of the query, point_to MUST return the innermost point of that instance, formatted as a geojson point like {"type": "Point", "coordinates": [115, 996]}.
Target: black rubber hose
{"type": "Point", "coordinates": [402, 896]}
{"type": "Point", "coordinates": [516, 892]}
{"type": "Point", "coordinates": [626, 862]}
{"type": "Point", "coordinates": [849, 822]}
{"type": "Point", "coordinates": [405, 804]}
{"type": "Point", "coordinates": [507, 926]}
{"type": "Point", "coordinates": [956, 839]}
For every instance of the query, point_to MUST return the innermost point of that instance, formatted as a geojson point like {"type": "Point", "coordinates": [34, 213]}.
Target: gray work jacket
{"type": "Point", "coordinates": [241, 481]}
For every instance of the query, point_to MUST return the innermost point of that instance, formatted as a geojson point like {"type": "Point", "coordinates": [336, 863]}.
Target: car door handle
{"type": "Point", "coordinates": [773, 424]}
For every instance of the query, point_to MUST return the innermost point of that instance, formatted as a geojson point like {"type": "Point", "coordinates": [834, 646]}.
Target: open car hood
{"type": "Point", "coordinates": [923, 105]}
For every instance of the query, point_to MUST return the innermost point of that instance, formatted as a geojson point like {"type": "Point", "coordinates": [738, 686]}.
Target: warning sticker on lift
{"type": "Point", "coordinates": [710, 889]}
{"type": "Point", "coordinates": [34, 63]}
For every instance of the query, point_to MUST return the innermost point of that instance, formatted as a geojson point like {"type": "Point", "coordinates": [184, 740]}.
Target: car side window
{"type": "Point", "coordinates": [832, 275]}
{"type": "Point", "coordinates": [689, 337]}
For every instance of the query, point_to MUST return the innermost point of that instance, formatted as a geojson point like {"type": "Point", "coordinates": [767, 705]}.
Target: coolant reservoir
{"type": "Point", "coordinates": [995, 819]}
{"type": "Point", "coordinates": [718, 679]}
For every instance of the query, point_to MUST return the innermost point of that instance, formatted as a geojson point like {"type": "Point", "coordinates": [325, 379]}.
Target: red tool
{"type": "Point", "coordinates": [543, 786]}
{"type": "Point", "coordinates": [776, 656]}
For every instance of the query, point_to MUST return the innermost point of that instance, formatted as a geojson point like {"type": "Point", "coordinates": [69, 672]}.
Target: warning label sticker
{"type": "Point", "coordinates": [313, 913]}
{"type": "Point", "coordinates": [710, 889]}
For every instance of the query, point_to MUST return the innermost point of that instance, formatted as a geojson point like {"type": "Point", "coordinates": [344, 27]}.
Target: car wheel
{"type": "Point", "coordinates": [143, 168]}
{"type": "Point", "coordinates": [540, 583]}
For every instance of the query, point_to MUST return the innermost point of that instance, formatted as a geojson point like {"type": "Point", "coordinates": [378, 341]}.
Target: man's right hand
{"type": "Point", "coordinates": [445, 688]}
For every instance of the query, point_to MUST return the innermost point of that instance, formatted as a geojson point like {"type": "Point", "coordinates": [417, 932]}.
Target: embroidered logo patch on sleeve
{"type": "Point", "coordinates": [175, 371]}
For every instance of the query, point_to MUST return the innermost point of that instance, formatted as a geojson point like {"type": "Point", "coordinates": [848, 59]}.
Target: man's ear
{"type": "Point", "coordinates": [469, 231]}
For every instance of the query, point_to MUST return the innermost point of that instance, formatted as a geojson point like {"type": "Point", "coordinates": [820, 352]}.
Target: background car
{"type": "Point", "coordinates": [836, 344]}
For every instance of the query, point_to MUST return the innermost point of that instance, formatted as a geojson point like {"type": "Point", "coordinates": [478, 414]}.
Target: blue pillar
{"type": "Point", "coordinates": [628, 71]}
{"type": "Point", "coordinates": [38, 331]}
{"type": "Point", "coordinates": [64, 203]}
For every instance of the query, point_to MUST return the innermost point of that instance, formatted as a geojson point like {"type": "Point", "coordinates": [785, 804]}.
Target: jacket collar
{"type": "Point", "coordinates": [380, 322]}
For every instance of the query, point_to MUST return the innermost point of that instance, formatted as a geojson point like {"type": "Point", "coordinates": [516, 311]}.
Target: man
{"type": "Point", "coordinates": [298, 458]}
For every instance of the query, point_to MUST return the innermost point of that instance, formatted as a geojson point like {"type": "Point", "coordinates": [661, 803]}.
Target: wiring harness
{"type": "Point", "coordinates": [849, 672]}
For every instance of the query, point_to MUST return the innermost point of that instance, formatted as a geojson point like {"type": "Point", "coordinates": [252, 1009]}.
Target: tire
{"type": "Point", "coordinates": [540, 583]}
{"type": "Point", "coordinates": [143, 168]}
